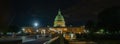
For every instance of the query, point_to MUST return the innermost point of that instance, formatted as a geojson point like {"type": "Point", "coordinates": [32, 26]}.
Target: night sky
{"type": "Point", "coordinates": [75, 12]}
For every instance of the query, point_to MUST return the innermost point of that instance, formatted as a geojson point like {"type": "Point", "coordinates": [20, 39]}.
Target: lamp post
{"type": "Point", "coordinates": [36, 29]}
{"type": "Point", "coordinates": [36, 26]}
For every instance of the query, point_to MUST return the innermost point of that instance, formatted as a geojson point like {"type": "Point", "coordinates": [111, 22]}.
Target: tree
{"type": "Point", "coordinates": [110, 19]}
{"type": "Point", "coordinates": [91, 26]}
{"type": "Point", "coordinates": [13, 28]}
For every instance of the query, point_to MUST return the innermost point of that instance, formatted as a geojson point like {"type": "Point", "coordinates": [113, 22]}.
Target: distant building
{"type": "Point", "coordinates": [58, 27]}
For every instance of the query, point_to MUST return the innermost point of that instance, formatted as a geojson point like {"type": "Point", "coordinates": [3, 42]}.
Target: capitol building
{"type": "Point", "coordinates": [58, 27]}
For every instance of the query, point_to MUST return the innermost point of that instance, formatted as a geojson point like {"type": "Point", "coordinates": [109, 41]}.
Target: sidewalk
{"type": "Point", "coordinates": [80, 42]}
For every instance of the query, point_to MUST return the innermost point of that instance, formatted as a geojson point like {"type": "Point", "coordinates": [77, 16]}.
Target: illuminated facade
{"type": "Point", "coordinates": [58, 27]}
{"type": "Point", "coordinates": [59, 20]}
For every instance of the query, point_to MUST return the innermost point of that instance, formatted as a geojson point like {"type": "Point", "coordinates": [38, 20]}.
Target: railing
{"type": "Point", "coordinates": [57, 40]}
{"type": "Point", "coordinates": [48, 42]}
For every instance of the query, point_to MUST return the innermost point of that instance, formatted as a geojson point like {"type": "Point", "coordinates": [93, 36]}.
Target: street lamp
{"type": "Point", "coordinates": [35, 24]}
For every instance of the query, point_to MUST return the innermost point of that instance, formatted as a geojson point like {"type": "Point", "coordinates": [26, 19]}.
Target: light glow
{"type": "Point", "coordinates": [35, 24]}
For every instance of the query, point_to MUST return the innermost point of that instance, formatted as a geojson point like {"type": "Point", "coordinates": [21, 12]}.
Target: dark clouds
{"type": "Point", "coordinates": [89, 9]}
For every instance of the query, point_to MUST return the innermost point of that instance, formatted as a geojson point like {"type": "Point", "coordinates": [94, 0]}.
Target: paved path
{"type": "Point", "coordinates": [82, 42]}
{"type": "Point", "coordinates": [38, 41]}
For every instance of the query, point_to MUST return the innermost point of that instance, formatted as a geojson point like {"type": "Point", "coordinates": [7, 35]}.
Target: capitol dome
{"type": "Point", "coordinates": [59, 20]}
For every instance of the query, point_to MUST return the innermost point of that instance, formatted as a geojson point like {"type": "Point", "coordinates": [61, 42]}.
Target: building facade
{"type": "Point", "coordinates": [58, 27]}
